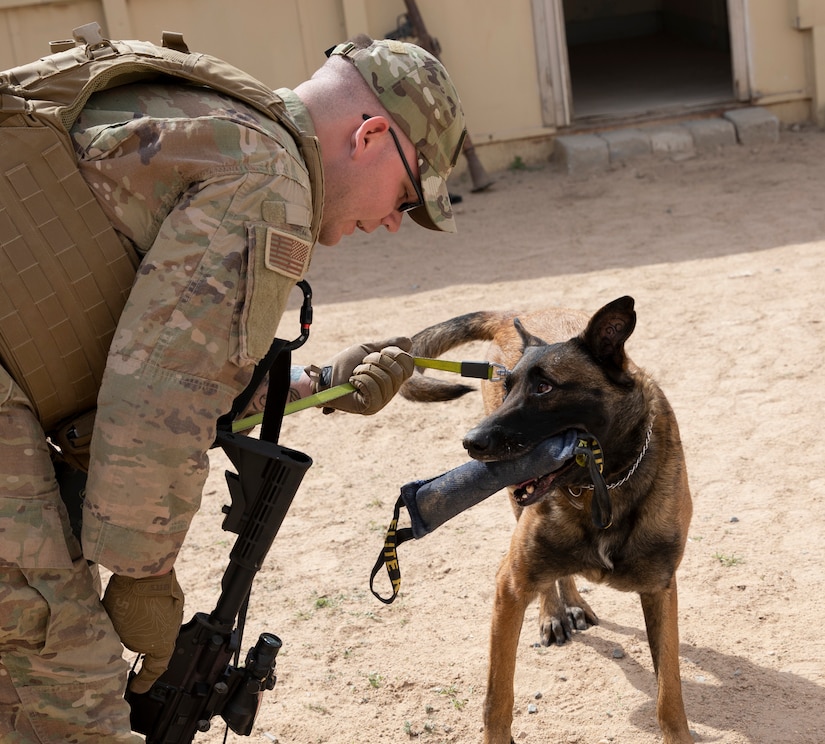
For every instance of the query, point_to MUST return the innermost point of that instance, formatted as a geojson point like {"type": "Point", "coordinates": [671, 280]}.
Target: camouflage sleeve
{"type": "Point", "coordinates": [177, 361]}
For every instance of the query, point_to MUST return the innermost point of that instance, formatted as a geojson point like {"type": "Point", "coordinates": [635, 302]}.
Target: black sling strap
{"type": "Point", "coordinates": [277, 363]}
{"type": "Point", "coordinates": [276, 395]}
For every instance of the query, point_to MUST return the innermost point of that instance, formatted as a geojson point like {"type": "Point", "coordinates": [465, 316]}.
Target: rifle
{"type": "Point", "coordinates": [201, 680]}
{"type": "Point", "coordinates": [413, 26]}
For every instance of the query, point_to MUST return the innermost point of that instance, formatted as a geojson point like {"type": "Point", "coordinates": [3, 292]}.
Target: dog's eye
{"type": "Point", "coordinates": [543, 387]}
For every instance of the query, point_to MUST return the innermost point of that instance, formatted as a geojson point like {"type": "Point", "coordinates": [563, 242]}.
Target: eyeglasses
{"type": "Point", "coordinates": [405, 206]}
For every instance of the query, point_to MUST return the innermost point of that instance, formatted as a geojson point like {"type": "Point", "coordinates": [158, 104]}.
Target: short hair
{"type": "Point", "coordinates": [345, 85]}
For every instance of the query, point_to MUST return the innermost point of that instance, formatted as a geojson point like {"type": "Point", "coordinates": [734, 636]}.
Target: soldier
{"type": "Point", "coordinates": [223, 210]}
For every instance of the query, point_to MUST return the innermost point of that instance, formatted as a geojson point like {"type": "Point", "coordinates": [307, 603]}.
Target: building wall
{"type": "Point", "coordinates": [487, 45]}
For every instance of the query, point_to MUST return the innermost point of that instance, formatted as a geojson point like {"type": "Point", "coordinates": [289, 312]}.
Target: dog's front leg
{"type": "Point", "coordinates": [508, 616]}
{"type": "Point", "coordinates": [661, 618]}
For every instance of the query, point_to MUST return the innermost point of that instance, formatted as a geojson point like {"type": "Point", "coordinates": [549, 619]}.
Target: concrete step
{"type": "Point", "coordinates": [593, 152]}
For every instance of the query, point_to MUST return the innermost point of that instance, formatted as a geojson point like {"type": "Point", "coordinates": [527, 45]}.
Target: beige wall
{"type": "Point", "coordinates": [778, 59]}
{"type": "Point", "coordinates": [487, 45]}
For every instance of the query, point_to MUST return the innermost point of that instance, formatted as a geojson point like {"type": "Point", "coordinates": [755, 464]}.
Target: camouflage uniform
{"type": "Point", "coordinates": [188, 339]}
{"type": "Point", "coordinates": [219, 202]}
{"type": "Point", "coordinates": [205, 187]}
{"type": "Point", "coordinates": [51, 687]}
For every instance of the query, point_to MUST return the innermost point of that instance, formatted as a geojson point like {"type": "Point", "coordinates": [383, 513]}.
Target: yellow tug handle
{"type": "Point", "coordinates": [480, 370]}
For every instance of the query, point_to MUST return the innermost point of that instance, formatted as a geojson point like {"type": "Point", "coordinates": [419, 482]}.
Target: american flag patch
{"type": "Point", "coordinates": [286, 253]}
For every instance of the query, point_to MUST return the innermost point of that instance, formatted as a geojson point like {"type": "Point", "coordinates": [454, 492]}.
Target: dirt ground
{"type": "Point", "coordinates": [725, 256]}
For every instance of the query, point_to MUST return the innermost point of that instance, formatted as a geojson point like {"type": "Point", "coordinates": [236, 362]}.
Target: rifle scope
{"type": "Point", "coordinates": [259, 675]}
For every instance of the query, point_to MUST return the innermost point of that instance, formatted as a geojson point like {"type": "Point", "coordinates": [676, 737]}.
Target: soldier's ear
{"type": "Point", "coordinates": [370, 132]}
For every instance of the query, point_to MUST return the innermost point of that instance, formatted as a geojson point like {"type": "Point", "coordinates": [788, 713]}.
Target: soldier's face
{"type": "Point", "coordinates": [368, 188]}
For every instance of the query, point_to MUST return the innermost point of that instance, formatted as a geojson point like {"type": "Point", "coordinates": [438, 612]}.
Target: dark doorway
{"type": "Point", "coordinates": [637, 58]}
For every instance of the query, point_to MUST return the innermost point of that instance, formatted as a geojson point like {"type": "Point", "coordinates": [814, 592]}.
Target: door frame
{"type": "Point", "coordinates": [554, 69]}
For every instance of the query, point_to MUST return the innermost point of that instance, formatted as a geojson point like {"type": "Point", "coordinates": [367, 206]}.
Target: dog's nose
{"type": "Point", "coordinates": [478, 443]}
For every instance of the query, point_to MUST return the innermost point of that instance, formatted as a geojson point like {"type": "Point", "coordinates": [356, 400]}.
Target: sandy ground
{"type": "Point", "coordinates": [725, 256]}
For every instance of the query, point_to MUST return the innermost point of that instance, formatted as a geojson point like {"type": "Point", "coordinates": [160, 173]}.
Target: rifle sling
{"type": "Point", "coordinates": [276, 396]}
{"type": "Point", "coordinates": [277, 362]}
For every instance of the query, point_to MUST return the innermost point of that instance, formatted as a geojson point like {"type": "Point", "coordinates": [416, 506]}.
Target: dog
{"type": "Point", "coordinates": [570, 371]}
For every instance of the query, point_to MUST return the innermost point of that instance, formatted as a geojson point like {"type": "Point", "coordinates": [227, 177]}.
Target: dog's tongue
{"type": "Point", "coordinates": [432, 502]}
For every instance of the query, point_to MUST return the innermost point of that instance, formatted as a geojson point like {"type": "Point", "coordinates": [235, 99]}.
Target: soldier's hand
{"type": "Point", "coordinates": [147, 615]}
{"type": "Point", "coordinates": [376, 371]}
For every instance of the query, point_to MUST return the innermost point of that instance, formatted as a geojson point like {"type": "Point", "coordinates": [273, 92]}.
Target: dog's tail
{"type": "Point", "coordinates": [437, 339]}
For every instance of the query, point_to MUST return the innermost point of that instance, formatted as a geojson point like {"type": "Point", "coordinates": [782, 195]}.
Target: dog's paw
{"type": "Point", "coordinates": [554, 630]}
{"type": "Point", "coordinates": [580, 618]}
{"type": "Point", "coordinates": [559, 628]}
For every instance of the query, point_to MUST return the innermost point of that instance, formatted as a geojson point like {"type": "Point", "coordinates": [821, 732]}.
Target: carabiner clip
{"type": "Point", "coordinates": [498, 372]}
{"type": "Point", "coordinates": [305, 318]}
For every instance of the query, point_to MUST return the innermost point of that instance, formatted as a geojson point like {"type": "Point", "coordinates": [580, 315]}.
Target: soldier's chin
{"type": "Point", "coordinates": [331, 235]}
{"type": "Point", "coordinates": [328, 241]}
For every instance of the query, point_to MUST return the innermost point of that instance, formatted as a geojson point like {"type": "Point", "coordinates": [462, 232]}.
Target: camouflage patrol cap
{"type": "Point", "coordinates": [413, 86]}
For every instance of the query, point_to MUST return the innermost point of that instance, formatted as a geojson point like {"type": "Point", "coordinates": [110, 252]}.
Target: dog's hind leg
{"type": "Point", "coordinates": [660, 610]}
{"type": "Point", "coordinates": [563, 610]}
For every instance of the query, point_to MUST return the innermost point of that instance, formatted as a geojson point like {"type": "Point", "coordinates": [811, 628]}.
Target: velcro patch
{"type": "Point", "coordinates": [286, 253]}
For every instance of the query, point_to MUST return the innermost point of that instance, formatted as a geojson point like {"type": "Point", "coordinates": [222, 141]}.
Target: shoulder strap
{"type": "Point", "coordinates": [69, 272]}
{"type": "Point", "coordinates": [55, 88]}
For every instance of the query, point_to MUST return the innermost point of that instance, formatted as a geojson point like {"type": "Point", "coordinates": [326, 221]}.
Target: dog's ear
{"type": "Point", "coordinates": [527, 338]}
{"type": "Point", "coordinates": [606, 334]}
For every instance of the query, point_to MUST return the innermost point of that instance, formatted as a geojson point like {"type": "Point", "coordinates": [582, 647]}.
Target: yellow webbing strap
{"type": "Point", "coordinates": [389, 555]}
{"type": "Point", "coordinates": [479, 370]}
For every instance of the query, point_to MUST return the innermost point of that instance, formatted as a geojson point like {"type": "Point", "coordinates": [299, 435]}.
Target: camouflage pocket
{"type": "Point", "coordinates": [33, 534]}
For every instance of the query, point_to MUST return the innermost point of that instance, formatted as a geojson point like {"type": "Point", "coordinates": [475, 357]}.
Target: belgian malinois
{"type": "Point", "coordinates": [625, 527]}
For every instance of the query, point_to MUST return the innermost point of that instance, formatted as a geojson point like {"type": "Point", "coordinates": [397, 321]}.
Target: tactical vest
{"type": "Point", "coordinates": [65, 274]}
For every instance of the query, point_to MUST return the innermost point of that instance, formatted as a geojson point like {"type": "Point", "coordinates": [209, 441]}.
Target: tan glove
{"type": "Point", "coordinates": [147, 615]}
{"type": "Point", "coordinates": [376, 370]}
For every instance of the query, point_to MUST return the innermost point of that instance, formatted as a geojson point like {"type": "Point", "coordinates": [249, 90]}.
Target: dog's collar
{"type": "Point", "coordinates": [577, 492]}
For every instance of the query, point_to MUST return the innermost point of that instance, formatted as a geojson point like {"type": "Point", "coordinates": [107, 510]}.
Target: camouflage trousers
{"type": "Point", "coordinates": [62, 673]}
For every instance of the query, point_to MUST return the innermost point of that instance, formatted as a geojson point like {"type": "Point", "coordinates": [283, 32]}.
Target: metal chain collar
{"type": "Point", "coordinates": [577, 492]}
